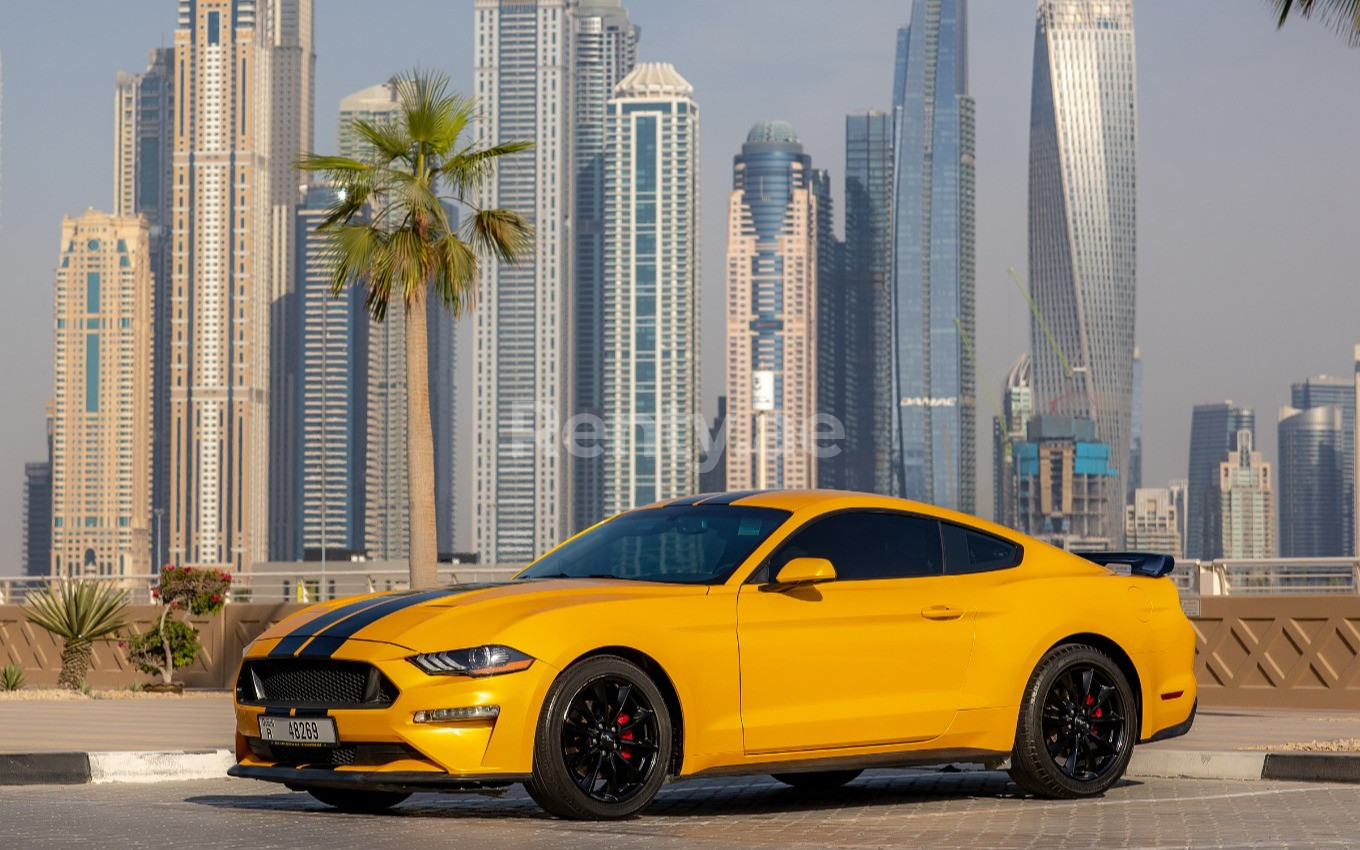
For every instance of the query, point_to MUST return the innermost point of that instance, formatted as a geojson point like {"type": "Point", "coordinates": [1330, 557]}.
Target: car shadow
{"type": "Point", "coordinates": [734, 796]}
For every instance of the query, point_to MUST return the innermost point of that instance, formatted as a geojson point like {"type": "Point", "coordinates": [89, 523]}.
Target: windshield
{"type": "Point", "coordinates": [689, 544]}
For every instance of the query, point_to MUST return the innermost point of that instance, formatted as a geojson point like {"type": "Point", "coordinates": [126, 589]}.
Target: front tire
{"type": "Point", "coordinates": [819, 781]}
{"type": "Point", "coordinates": [1078, 724]}
{"type": "Point", "coordinates": [356, 801]}
{"type": "Point", "coordinates": [604, 742]}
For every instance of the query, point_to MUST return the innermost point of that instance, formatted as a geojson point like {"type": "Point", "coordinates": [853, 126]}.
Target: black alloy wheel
{"type": "Point", "coordinates": [1077, 727]}
{"type": "Point", "coordinates": [356, 800]}
{"type": "Point", "coordinates": [604, 742]}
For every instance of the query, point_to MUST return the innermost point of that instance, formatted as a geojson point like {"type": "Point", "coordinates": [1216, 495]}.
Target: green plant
{"type": "Point", "coordinates": [85, 687]}
{"type": "Point", "coordinates": [136, 687]}
{"type": "Point", "coordinates": [391, 232]}
{"type": "Point", "coordinates": [79, 612]}
{"type": "Point", "coordinates": [11, 678]}
{"type": "Point", "coordinates": [148, 650]}
{"type": "Point", "coordinates": [202, 591]}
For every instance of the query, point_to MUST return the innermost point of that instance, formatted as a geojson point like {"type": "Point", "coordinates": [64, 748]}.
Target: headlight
{"type": "Point", "coordinates": [478, 661]}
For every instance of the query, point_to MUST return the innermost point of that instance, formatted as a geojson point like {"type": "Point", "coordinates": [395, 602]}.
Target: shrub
{"type": "Point", "coordinates": [202, 591]}
{"type": "Point", "coordinates": [147, 650]}
{"type": "Point", "coordinates": [11, 678]}
{"type": "Point", "coordinates": [79, 612]}
{"type": "Point", "coordinates": [174, 643]}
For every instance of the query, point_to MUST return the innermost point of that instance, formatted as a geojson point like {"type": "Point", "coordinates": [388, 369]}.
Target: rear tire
{"type": "Point", "coordinates": [356, 801]}
{"type": "Point", "coordinates": [1078, 724]}
{"type": "Point", "coordinates": [604, 742]}
{"type": "Point", "coordinates": [821, 781]}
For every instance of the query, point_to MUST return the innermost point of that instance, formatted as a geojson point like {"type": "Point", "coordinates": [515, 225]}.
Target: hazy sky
{"type": "Point", "coordinates": [1249, 181]}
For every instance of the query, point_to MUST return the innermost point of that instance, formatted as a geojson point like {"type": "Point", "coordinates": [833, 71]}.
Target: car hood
{"type": "Point", "coordinates": [434, 620]}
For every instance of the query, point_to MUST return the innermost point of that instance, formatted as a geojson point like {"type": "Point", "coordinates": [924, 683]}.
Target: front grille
{"type": "Point", "coordinates": [313, 683]}
{"type": "Point", "coordinates": [367, 755]}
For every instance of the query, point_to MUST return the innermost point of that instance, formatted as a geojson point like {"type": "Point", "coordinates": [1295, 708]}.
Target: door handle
{"type": "Point", "coordinates": [941, 612]}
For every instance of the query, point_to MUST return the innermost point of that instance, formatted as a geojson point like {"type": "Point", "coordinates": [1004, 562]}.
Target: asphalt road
{"type": "Point", "coordinates": [881, 809]}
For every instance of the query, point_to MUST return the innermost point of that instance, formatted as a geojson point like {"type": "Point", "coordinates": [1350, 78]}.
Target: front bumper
{"type": "Point", "coordinates": [456, 755]}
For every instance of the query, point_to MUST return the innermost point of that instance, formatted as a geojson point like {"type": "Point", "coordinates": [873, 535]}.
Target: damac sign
{"type": "Point", "coordinates": [927, 401]}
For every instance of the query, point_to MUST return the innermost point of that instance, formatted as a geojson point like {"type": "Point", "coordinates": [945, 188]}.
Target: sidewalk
{"type": "Point", "coordinates": [190, 736]}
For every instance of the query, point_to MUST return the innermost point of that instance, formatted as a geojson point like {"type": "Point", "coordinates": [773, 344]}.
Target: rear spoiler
{"type": "Point", "coordinates": [1147, 564]}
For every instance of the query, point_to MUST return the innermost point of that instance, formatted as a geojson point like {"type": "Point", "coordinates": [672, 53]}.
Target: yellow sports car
{"type": "Point", "coordinates": [808, 635]}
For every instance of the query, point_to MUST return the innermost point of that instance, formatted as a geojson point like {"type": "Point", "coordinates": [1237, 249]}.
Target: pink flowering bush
{"type": "Point", "coordinates": [174, 643]}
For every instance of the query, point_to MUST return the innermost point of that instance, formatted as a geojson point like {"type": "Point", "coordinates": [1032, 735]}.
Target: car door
{"type": "Point", "coordinates": [876, 656]}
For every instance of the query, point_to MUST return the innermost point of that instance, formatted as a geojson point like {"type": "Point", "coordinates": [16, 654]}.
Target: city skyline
{"type": "Point", "coordinates": [1162, 455]}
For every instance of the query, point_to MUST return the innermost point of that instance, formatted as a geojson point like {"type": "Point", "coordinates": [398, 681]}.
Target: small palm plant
{"type": "Point", "coordinates": [79, 612]}
{"type": "Point", "coordinates": [390, 232]}
{"type": "Point", "coordinates": [11, 677]}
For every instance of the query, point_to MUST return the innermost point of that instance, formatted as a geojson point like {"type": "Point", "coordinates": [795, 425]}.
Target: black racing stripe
{"type": "Point", "coordinates": [328, 641]}
{"type": "Point", "coordinates": [277, 711]}
{"type": "Point", "coordinates": [289, 646]}
{"type": "Point", "coordinates": [729, 498]}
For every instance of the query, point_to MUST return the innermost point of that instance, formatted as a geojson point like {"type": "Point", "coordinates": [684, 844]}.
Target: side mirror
{"type": "Point", "coordinates": [803, 571]}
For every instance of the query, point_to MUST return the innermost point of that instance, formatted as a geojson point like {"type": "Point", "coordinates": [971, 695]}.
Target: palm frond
{"type": "Point", "coordinates": [383, 139]}
{"type": "Point", "coordinates": [78, 610]}
{"type": "Point", "coordinates": [503, 234]}
{"type": "Point", "coordinates": [1343, 16]}
{"type": "Point", "coordinates": [455, 275]}
{"type": "Point", "coordinates": [425, 105]}
{"type": "Point", "coordinates": [471, 166]}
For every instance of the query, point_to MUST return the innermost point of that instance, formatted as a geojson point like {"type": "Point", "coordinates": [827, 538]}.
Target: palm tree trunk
{"type": "Point", "coordinates": [424, 543]}
{"type": "Point", "coordinates": [75, 662]}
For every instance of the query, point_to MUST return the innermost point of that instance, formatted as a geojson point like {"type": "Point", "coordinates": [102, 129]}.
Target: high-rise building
{"type": "Point", "coordinates": [771, 313]}
{"type": "Point", "coordinates": [1083, 220]}
{"type": "Point", "coordinates": [144, 140]}
{"type": "Point", "coordinates": [331, 353]}
{"type": "Point", "coordinates": [651, 289]}
{"type": "Point", "coordinates": [237, 132]}
{"type": "Point", "coordinates": [605, 50]}
{"type": "Point", "coordinates": [375, 104]}
{"type": "Point", "coordinates": [1065, 483]}
{"type": "Point", "coordinates": [37, 548]}
{"type": "Point", "coordinates": [867, 275]}
{"type": "Point", "coordinates": [835, 346]}
{"type": "Point", "coordinates": [1151, 523]}
{"type": "Point", "coordinates": [713, 461]}
{"type": "Point", "coordinates": [1244, 524]}
{"type": "Point", "coordinates": [525, 317]}
{"type": "Point", "coordinates": [935, 453]}
{"type": "Point", "coordinates": [101, 440]}
{"type": "Point", "coordinates": [1009, 429]}
{"type": "Point", "coordinates": [1178, 488]}
{"type": "Point", "coordinates": [286, 31]}
{"type": "Point", "coordinates": [1324, 390]}
{"type": "Point", "coordinates": [1313, 513]}
{"type": "Point", "coordinates": [1134, 480]}
{"type": "Point", "coordinates": [1213, 436]}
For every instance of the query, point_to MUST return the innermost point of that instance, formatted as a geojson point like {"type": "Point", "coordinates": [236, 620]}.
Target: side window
{"type": "Point", "coordinates": [969, 551]}
{"type": "Point", "coordinates": [867, 545]}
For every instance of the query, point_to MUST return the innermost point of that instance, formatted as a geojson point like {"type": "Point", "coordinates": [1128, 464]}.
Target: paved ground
{"type": "Point", "coordinates": [881, 809]}
{"type": "Point", "coordinates": [205, 721]}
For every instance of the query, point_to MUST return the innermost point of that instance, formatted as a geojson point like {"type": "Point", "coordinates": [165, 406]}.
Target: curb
{"type": "Point", "coordinates": [102, 767]}
{"type": "Point", "coordinates": [1245, 765]}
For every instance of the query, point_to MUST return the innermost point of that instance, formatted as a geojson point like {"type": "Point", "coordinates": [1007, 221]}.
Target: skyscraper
{"type": "Point", "coordinates": [101, 465]}
{"type": "Point", "coordinates": [144, 141]}
{"type": "Point", "coordinates": [525, 315]}
{"type": "Point", "coordinates": [386, 523]}
{"type": "Point", "coordinates": [935, 453]}
{"type": "Point", "coordinates": [236, 136]}
{"type": "Point", "coordinates": [1243, 526]}
{"type": "Point", "coordinates": [1009, 429]}
{"type": "Point", "coordinates": [1324, 390]}
{"type": "Point", "coordinates": [286, 30]}
{"type": "Point", "coordinates": [771, 312]}
{"type": "Point", "coordinates": [331, 350]}
{"type": "Point", "coordinates": [1313, 512]}
{"type": "Point", "coordinates": [651, 289]}
{"type": "Point", "coordinates": [1065, 483]}
{"type": "Point", "coordinates": [1134, 480]}
{"type": "Point", "coordinates": [1083, 220]}
{"type": "Point", "coordinates": [866, 279]}
{"type": "Point", "coordinates": [835, 346]}
{"type": "Point", "coordinates": [1213, 436]}
{"type": "Point", "coordinates": [37, 548]}
{"type": "Point", "coordinates": [605, 50]}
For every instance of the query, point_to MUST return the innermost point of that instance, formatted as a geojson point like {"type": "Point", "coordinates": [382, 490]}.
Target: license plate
{"type": "Point", "coordinates": [298, 730]}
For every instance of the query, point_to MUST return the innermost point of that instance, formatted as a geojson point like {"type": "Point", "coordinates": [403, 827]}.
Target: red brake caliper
{"type": "Point", "coordinates": [625, 736]}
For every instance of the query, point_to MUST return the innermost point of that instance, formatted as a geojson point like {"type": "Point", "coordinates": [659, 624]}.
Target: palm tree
{"type": "Point", "coordinates": [1341, 15]}
{"type": "Point", "coordinates": [79, 612]}
{"type": "Point", "coordinates": [390, 233]}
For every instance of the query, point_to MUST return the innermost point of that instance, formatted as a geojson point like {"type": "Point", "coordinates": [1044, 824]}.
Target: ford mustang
{"type": "Point", "coordinates": [803, 634]}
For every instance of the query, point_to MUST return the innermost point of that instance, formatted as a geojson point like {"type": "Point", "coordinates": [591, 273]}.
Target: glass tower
{"type": "Point", "coordinates": [651, 289]}
{"type": "Point", "coordinates": [1083, 221]}
{"type": "Point", "coordinates": [1213, 436]}
{"type": "Point", "coordinates": [933, 256]}
{"type": "Point", "coordinates": [1312, 483]}
{"type": "Point", "coordinates": [1322, 391]}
